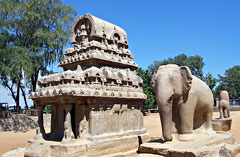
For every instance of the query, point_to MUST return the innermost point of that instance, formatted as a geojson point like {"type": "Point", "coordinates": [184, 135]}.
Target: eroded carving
{"type": "Point", "coordinates": [224, 107]}
{"type": "Point", "coordinates": [183, 100]}
{"type": "Point", "coordinates": [93, 97]}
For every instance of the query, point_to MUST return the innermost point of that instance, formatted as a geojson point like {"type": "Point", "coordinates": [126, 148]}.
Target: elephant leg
{"type": "Point", "coordinates": [221, 111]}
{"type": "Point", "coordinates": [228, 111]}
{"type": "Point", "coordinates": [186, 113]}
{"type": "Point", "coordinates": [175, 117]}
{"type": "Point", "coordinates": [225, 113]}
{"type": "Point", "coordinates": [208, 121]}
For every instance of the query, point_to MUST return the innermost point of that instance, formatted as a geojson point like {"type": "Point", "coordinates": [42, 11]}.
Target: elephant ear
{"type": "Point", "coordinates": [186, 79]}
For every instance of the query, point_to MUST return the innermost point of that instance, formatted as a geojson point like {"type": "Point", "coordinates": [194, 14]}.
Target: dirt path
{"type": "Point", "coordinates": [13, 140]}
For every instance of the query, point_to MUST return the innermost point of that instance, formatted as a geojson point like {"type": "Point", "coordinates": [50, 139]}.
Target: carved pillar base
{"type": "Point", "coordinates": [38, 135]}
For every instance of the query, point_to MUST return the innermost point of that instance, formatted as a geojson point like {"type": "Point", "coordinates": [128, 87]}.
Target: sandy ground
{"type": "Point", "coordinates": [152, 124]}
{"type": "Point", "coordinates": [13, 140]}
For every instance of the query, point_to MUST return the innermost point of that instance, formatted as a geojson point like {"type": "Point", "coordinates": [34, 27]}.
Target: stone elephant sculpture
{"type": "Point", "coordinates": [185, 103]}
{"type": "Point", "coordinates": [224, 107]}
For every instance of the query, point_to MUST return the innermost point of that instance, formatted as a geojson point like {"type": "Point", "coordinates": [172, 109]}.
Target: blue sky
{"type": "Point", "coordinates": [159, 29]}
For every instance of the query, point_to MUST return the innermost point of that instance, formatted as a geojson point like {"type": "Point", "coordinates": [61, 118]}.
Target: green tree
{"type": "Point", "coordinates": [11, 75]}
{"type": "Point", "coordinates": [35, 31]}
{"type": "Point", "coordinates": [11, 65]}
{"type": "Point", "coordinates": [230, 82]}
{"type": "Point", "coordinates": [211, 82]}
{"type": "Point", "coordinates": [147, 88]}
{"type": "Point", "coordinates": [195, 63]}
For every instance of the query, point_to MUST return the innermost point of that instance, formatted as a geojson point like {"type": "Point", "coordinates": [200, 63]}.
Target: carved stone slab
{"type": "Point", "coordinates": [205, 145]}
{"type": "Point", "coordinates": [222, 124]}
{"type": "Point", "coordinates": [102, 91]}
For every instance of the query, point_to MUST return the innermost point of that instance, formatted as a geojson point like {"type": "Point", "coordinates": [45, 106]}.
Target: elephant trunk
{"type": "Point", "coordinates": [165, 112]}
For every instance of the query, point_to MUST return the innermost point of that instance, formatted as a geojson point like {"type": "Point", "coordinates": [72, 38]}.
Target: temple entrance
{"type": "Point", "coordinates": [73, 121]}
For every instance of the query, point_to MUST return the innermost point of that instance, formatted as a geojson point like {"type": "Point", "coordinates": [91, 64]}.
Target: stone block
{"type": "Point", "coordinates": [204, 145]}
{"type": "Point", "coordinates": [230, 150]}
{"type": "Point", "coordinates": [97, 147]}
{"type": "Point", "coordinates": [222, 124]}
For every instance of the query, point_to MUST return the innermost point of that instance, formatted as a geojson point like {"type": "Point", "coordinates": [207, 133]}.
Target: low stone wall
{"type": "Point", "coordinates": [17, 122]}
{"type": "Point", "coordinates": [232, 108]}
{"type": "Point", "coordinates": [46, 120]}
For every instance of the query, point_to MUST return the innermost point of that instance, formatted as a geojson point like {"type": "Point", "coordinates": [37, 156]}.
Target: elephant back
{"type": "Point", "coordinates": [224, 95]}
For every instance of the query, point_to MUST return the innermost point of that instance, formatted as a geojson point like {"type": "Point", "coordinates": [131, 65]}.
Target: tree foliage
{"type": "Point", "coordinates": [230, 82]}
{"type": "Point", "coordinates": [210, 80]}
{"type": "Point", "coordinates": [147, 88]}
{"type": "Point", "coordinates": [195, 63]}
{"type": "Point", "coordinates": [32, 36]}
{"type": "Point", "coordinates": [11, 75]}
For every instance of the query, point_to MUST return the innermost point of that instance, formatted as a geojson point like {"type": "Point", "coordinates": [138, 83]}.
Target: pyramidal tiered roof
{"type": "Point", "coordinates": [99, 65]}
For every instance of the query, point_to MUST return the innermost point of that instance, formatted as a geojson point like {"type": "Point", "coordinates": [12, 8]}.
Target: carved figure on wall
{"type": "Point", "coordinates": [83, 36]}
{"type": "Point", "coordinates": [83, 127]}
{"type": "Point", "coordinates": [185, 102]}
{"type": "Point", "coordinates": [224, 107]}
{"type": "Point", "coordinates": [68, 134]}
{"type": "Point", "coordinates": [93, 81]}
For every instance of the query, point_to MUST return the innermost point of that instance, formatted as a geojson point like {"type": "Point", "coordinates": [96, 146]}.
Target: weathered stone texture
{"type": "Point", "coordinates": [204, 146]}
{"type": "Point", "coordinates": [100, 84]}
{"type": "Point", "coordinates": [222, 124]}
{"type": "Point", "coordinates": [224, 106]}
{"type": "Point", "coordinates": [230, 150]}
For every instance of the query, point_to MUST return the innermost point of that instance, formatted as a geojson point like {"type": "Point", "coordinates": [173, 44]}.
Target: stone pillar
{"type": "Point", "coordinates": [68, 134]}
{"type": "Point", "coordinates": [92, 122]}
{"type": "Point", "coordinates": [53, 119]}
{"type": "Point", "coordinates": [40, 120]}
{"type": "Point", "coordinates": [60, 121]}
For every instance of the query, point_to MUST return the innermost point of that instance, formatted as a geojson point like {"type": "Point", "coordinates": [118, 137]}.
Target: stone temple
{"type": "Point", "coordinates": [96, 102]}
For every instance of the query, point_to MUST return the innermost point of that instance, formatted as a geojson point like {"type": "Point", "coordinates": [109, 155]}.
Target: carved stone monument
{"type": "Point", "coordinates": [185, 106]}
{"type": "Point", "coordinates": [224, 107]}
{"type": "Point", "coordinates": [96, 102]}
{"type": "Point", "coordinates": [224, 122]}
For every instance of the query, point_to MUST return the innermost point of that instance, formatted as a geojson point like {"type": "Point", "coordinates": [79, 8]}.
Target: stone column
{"type": "Point", "coordinates": [53, 119]}
{"type": "Point", "coordinates": [91, 120]}
{"type": "Point", "coordinates": [68, 134]}
{"type": "Point", "coordinates": [40, 120]}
